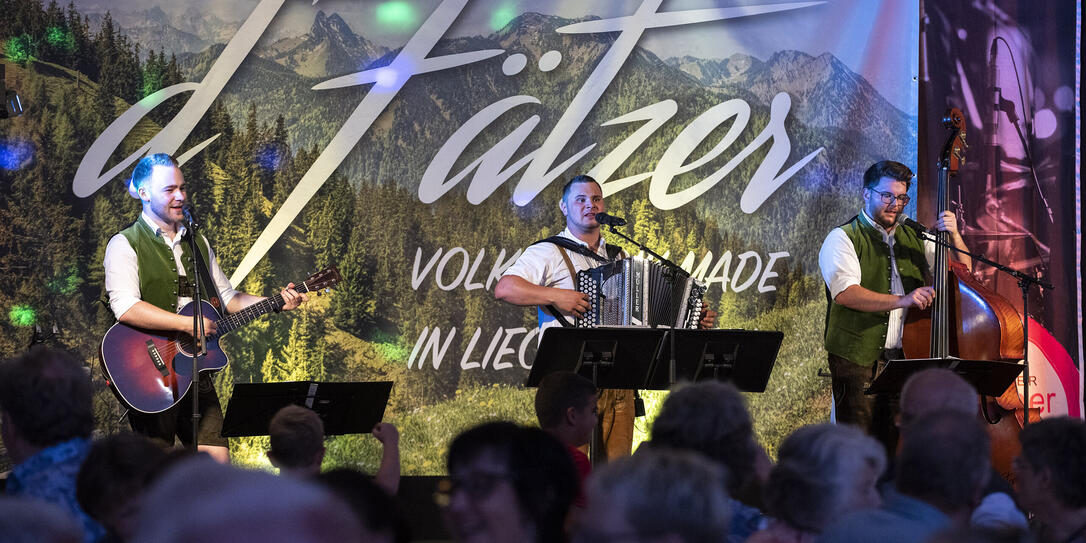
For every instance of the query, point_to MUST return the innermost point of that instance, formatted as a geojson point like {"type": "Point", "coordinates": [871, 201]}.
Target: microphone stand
{"type": "Point", "coordinates": [669, 334]}
{"type": "Point", "coordinates": [1025, 282]}
{"type": "Point", "coordinates": [199, 339]}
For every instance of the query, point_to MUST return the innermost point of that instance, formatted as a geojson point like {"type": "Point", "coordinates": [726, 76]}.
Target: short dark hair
{"type": "Point", "coordinates": [48, 395]}
{"type": "Point", "coordinates": [887, 168]}
{"type": "Point", "coordinates": [297, 436]}
{"type": "Point", "coordinates": [558, 392]}
{"type": "Point", "coordinates": [1059, 445]}
{"type": "Point", "coordinates": [952, 475]}
{"type": "Point", "coordinates": [117, 469]}
{"type": "Point", "coordinates": [540, 469]}
{"type": "Point", "coordinates": [147, 164]}
{"type": "Point", "coordinates": [577, 180]}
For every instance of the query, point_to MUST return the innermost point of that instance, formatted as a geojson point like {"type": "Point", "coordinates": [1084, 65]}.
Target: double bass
{"type": "Point", "coordinates": [967, 320]}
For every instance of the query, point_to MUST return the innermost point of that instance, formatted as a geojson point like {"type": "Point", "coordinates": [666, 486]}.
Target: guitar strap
{"type": "Point", "coordinates": [213, 295]}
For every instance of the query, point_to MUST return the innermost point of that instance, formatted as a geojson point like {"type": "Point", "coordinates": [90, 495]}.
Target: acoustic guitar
{"type": "Point", "coordinates": [151, 370]}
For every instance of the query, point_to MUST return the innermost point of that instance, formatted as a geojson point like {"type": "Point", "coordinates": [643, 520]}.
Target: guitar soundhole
{"type": "Point", "coordinates": [186, 345]}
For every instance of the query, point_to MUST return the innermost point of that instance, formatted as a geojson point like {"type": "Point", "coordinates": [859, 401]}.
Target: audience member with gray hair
{"type": "Point", "coordinates": [939, 390]}
{"type": "Point", "coordinates": [1051, 478]}
{"type": "Point", "coordinates": [941, 474]}
{"type": "Point", "coordinates": [663, 495]}
{"type": "Point", "coordinates": [711, 418]}
{"type": "Point", "coordinates": [201, 501]}
{"type": "Point", "coordinates": [823, 471]}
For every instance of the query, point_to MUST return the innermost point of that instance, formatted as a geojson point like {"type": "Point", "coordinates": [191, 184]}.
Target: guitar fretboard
{"type": "Point", "coordinates": [234, 321]}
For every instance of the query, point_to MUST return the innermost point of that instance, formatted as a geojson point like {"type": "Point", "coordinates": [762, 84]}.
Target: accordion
{"type": "Point", "coordinates": [637, 292]}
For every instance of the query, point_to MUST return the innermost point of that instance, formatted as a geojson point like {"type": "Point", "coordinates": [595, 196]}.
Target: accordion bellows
{"type": "Point", "coordinates": [638, 292]}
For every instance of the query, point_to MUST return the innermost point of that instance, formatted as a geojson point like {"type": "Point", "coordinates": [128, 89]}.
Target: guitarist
{"type": "Point", "coordinates": [146, 271]}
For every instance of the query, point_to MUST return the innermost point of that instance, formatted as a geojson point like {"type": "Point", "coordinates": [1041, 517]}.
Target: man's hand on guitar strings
{"type": "Point", "coordinates": [292, 298]}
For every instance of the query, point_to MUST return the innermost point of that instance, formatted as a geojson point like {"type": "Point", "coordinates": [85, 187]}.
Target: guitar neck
{"type": "Point", "coordinates": [270, 304]}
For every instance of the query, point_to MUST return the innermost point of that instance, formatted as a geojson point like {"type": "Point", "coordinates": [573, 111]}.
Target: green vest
{"type": "Point", "coordinates": [157, 267]}
{"type": "Point", "coordinates": [859, 336]}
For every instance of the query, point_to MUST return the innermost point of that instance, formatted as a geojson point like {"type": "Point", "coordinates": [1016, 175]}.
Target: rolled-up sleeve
{"type": "Point", "coordinates": [838, 262]}
{"type": "Point", "coordinates": [122, 275]}
{"type": "Point", "coordinates": [222, 283]}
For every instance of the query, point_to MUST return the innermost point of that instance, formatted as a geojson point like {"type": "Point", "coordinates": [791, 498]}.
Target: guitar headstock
{"type": "Point", "coordinates": [953, 155]}
{"type": "Point", "coordinates": [323, 279]}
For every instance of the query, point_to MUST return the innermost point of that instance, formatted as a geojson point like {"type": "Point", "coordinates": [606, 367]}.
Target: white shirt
{"type": "Point", "coordinates": [123, 277]}
{"type": "Point", "coordinates": [841, 269]}
{"type": "Point", "coordinates": [542, 264]}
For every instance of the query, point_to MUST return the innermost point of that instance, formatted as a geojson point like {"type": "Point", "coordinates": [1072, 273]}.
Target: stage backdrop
{"type": "Point", "coordinates": [419, 146]}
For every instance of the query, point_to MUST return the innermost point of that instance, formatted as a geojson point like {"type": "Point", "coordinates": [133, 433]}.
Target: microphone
{"type": "Point", "coordinates": [190, 214]}
{"type": "Point", "coordinates": [904, 219]}
{"type": "Point", "coordinates": [609, 220]}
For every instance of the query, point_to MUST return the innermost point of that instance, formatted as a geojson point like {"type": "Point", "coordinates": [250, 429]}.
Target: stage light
{"type": "Point", "coordinates": [13, 105]}
{"type": "Point", "coordinates": [15, 154]}
{"type": "Point", "coordinates": [395, 14]}
{"type": "Point", "coordinates": [503, 15]}
{"type": "Point", "coordinates": [23, 315]}
{"type": "Point", "coordinates": [60, 38]}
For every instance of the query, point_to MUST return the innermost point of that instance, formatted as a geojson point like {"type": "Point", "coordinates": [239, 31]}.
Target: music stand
{"type": "Point", "coordinates": [611, 357]}
{"type": "Point", "coordinates": [345, 408]}
{"type": "Point", "coordinates": [743, 357]}
{"type": "Point", "coordinates": [989, 377]}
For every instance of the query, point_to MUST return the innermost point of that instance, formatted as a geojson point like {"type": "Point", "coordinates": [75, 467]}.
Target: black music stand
{"type": "Point", "coordinates": [989, 377]}
{"type": "Point", "coordinates": [743, 357]}
{"type": "Point", "coordinates": [611, 357]}
{"type": "Point", "coordinates": [345, 408]}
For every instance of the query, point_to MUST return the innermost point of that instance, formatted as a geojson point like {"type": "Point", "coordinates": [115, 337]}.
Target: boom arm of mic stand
{"type": "Point", "coordinates": [652, 253]}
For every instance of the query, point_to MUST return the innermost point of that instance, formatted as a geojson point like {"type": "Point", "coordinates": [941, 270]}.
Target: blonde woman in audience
{"type": "Point", "coordinates": [823, 471]}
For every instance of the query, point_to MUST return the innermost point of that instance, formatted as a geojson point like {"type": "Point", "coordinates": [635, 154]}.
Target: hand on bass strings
{"type": "Point", "coordinates": [947, 223]}
{"type": "Point", "coordinates": [570, 301]}
{"type": "Point", "coordinates": [920, 298]}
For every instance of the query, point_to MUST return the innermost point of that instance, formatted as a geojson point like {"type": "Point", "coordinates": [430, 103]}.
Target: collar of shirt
{"type": "Point", "coordinates": [887, 235]}
{"type": "Point", "coordinates": [45, 459]}
{"type": "Point", "coordinates": [162, 233]}
{"type": "Point", "coordinates": [601, 250]}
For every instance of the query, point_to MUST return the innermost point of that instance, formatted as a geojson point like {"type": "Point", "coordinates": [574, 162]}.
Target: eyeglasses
{"type": "Point", "coordinates": [888, 197]}
{"type": "Point", "coordinates": [477, 485]}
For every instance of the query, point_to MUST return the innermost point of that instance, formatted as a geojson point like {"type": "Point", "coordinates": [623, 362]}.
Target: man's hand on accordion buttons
{"type": "Point", "coordinates": [708, 318]}
{"type": "Point", "coordinates": [571, 301]}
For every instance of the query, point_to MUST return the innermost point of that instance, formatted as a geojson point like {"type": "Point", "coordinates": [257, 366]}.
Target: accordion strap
{"type": "Point", "coordinates": [613, 251]}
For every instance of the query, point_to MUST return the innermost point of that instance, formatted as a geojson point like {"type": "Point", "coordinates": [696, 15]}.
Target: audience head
{"type": "Point", "coordinates": [45, 399]}
{"type": "Point", "coordinates": [565, 405]}
{"type": "Point", "coordinates": [658, 494]}
{"type": "Point", "coordinates": [113, 478]}
{"type": "Point", "coordinates": [936, 390]}
{"type": "Point", "coordinates": [374, 509]}
{"type": "Point", "coordinates": [824, 471]}
{"type": "Point", "coordinates": [34, 521]}
{"type": "Point", "coordinates": [206, 501]}
{"type": "Point", "coordinates": [297, 440]}
{"type": "Point", "coordinates": [710, 418]}
{"type": "Point", "coordinates": [1051, 471]}
{"type": "Point", "coordinates": [508, 483]}
{"type": "Point", "coordinates": [944, 460]}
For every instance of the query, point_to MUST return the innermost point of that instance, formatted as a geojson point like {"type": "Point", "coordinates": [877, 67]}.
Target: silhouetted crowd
{"type": "Point", "coordinates": [702, 477]}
